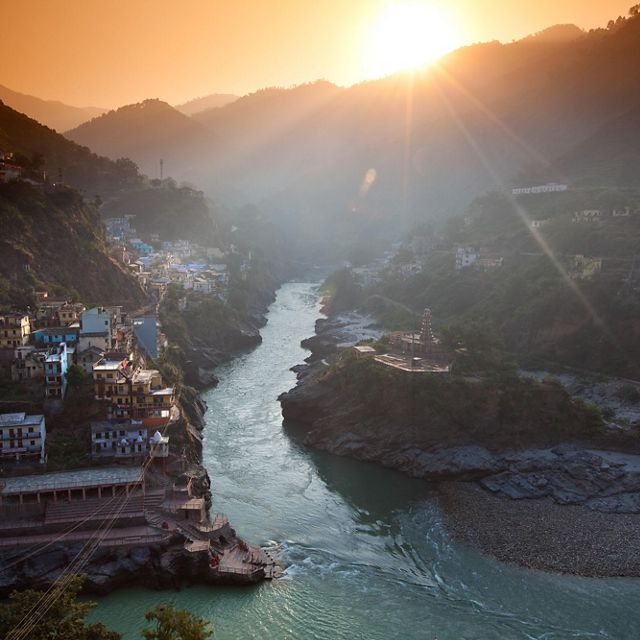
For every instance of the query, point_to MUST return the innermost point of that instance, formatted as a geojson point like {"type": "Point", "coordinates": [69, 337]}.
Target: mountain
{"type": "Point", "coordinates": [211, 101]}
{"type": "Point", "coordinates": [331, 162]}
{"type": "Point", "coordinates": [610, 156]}
{"type": "Point", "coordinates": [64, 160]}
{"type": "Point", "coordinates": [557, 33]}
{"type": "Point", "coordinates": [163, 207]}
{"type": "Point", "coordinates": [147, 132]}
{"type": "Point", "coordinates": [77, 264]}
{"type": "Point", "coordinates": [54, 114]}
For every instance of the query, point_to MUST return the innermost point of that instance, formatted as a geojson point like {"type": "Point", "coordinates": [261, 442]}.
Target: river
{"type": "Point", "coordinates": [366, 553]}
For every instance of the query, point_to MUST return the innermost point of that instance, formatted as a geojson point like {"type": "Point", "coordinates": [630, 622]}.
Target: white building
{"type": "Point", "coordinates": [537, 224]}
{"type": "Point", "coordinates": [159, 445]}
{"type": "Point", "coordinates": [550, 187]}
{"type": "Point", "coordinates": [587, 216]}
{"type": "Point", "coordinates": [22, 435]}
{"type": "Point", "coordinates": [465, 257]}
{"type": "Point", "coordinates": [55, 372]}
{"type": "Point", "coordinates": [127, 440]}
{"type": "Point", "coordinates": [98, 322]}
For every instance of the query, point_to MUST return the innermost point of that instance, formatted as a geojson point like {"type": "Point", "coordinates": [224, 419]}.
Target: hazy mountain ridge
{"type": "Point", "coordinates": [212, 101]}
{"type": "Point", "coordinates": [52, 113]}
{"type": "Point", "coordinates": [164, 207]}
{"type": "Point", "coordinates": [146, 132]}
{"type": "Point", "coordinates": [435, 138]}
{"type": "Point", "coordinates": [76, 165]}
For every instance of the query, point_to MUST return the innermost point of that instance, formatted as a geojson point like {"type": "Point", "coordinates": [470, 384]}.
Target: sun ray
{"type": "Point", "coordinates": [537, 236]}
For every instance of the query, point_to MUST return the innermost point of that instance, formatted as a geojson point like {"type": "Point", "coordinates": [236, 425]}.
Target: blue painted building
{"type": "Point", "coordinates": [53, 336]}
{"type": "Point", "coordinates": [55, 372]}
{"type": "Point", "coordinates": [145, 329]}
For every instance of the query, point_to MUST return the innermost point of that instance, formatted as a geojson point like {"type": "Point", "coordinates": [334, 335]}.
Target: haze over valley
{"type": "Point", "coordinates": [337, 305]}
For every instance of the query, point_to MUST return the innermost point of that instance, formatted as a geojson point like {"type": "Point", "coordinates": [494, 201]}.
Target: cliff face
{"type": "Point", "coordinates": [382, 406]}
{"type": "Point", "coordinates": [209, 332]}
{"type": "Point", "coordinates": [54, 241]}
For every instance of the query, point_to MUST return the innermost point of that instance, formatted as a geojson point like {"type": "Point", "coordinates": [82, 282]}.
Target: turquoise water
{"type": "Point", "coordinates": [365, 548]}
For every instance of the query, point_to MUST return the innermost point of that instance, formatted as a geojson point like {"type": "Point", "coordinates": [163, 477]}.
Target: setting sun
{"type": "Point", "coordinates": [408, 35]}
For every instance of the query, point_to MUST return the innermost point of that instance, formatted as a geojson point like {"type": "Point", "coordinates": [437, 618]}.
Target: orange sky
{"type": "Point", "coordinates": [112, 52]}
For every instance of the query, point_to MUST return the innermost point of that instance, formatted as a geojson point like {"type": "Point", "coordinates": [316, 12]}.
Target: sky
{"type": "Point", "coordinates": [108, 53]}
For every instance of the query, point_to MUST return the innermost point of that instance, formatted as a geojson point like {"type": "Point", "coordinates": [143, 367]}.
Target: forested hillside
{"type": "Point", "coordinates": [53, 241]}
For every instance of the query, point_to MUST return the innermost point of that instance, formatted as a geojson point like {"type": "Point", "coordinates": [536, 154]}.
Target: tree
{"type": "Point", "coordinates": [174, 624]}
{"type": "Point", "coordinates": [75, 376]}
{"type": "Point", "coordinates": [65, 618]}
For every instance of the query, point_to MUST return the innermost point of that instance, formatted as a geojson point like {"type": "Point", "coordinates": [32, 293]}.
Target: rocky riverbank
{"type": "Point", "coordinates": [156, 550]}
{"type": "Point", "coordinates": [540, 534]}
{"type": "Point", "coordinates": [156, 565]}
{"type": "Point", "coordinates": [206, 332]}
{"type": "Point", "coordinates": [567, 476]}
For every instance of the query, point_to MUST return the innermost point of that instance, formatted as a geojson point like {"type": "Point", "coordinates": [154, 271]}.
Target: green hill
{"type": "Point", "coordinates": [52, 240]}
{"type": "Point", "coordinates": [147, 132]}
{"type": "Point", "coordinates": [162, 207]}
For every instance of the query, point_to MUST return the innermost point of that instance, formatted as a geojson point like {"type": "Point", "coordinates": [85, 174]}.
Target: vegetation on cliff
{"type": "Point", "coordinates": [539, 306]}
{"type": "Point", "coordinates": [52, 240]}
{"type": "Point", "coordinates": [497, 410]}
{"type": "Point", "coordinates": [162, 207]}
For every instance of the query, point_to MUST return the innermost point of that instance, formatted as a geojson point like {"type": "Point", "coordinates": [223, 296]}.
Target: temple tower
{"type": "Point", "coordinates": [426, 332]}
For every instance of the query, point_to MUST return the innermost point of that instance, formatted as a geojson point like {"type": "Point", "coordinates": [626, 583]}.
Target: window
{"type": "Point", "coordinates": [33, 443]}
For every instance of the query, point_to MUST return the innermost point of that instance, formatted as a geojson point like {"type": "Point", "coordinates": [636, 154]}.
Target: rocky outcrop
{"type": "Point", "coordinates": [432, 441]}
{"type": "Point", "coordinates": [166, 565]}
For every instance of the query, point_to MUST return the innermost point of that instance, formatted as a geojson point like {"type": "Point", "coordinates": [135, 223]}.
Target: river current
{"type": "Point", "coordinates": [366, 552]}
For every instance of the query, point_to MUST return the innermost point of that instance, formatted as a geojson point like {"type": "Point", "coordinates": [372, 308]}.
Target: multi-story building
{"type": "Point", "coordinates": [15, 329]}
{"type": "Point", "coordinates": [47, 312]}
{"type": "Point", "coordinates": [55, 372]}
{"type": "Point", "coordinates": [465, 257]}
{"type": "Point", "coordinates": [70, 313]}
{"type": "Point", "coordinates": [144, 397]}
{"type": "Point", "coordinates": [108, 375]}
{"type": "Point", "coordinates": [589, 216]}
{"type": "Point", "coordinates": [119, 440]}
{"type": "Point", "coordinates": [99, 321]}
{"type": "Point", "coordinates": [28, 364]}
{"type": "Point", "coordinates": [53, 336]}
{"type": "Point", "coordinates": [145, 329]}
{"type": "Point", "coordinates": [88, 358]}
{"type": "Point", "coordinates": [550, 187]}
{"type": "Point", "coordinates": [22, 435]}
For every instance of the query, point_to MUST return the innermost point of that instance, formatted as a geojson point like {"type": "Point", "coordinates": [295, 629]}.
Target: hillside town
{"type": "Point", "coordinates": [92, 372]}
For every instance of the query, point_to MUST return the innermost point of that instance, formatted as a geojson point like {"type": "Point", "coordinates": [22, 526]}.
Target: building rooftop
{"type": "Point", "coordinates": [20, 419]}
{"type": "Point", "coordinates": [98, 476]}
{"type": "Point", "coordinates": [108, 365]}
{"type": "Point", "coordinates": [364, 348]}
{"type": "Point", "coordinates": [144, 375]}
{"type": "Point", "coordinates": [131, 425]}
{"type": "Point", "coordinates": [56, 331]}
